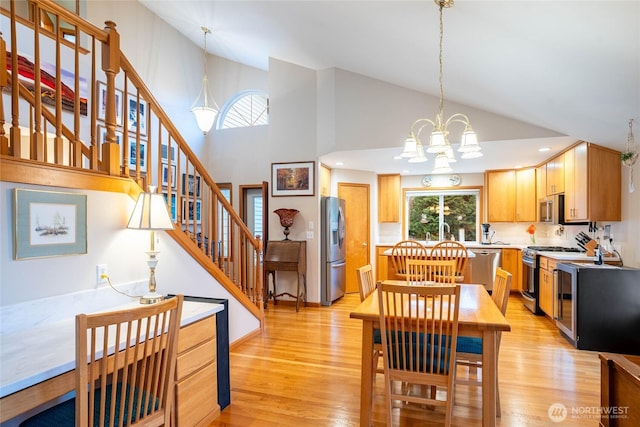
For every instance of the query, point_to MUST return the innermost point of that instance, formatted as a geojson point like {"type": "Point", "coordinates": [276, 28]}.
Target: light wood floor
{"type": "Point", "coordinates": [305, 371]}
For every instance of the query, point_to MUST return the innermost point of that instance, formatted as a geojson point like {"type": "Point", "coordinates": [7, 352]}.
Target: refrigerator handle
{"type": "Point", "coordinates": [333, 265]}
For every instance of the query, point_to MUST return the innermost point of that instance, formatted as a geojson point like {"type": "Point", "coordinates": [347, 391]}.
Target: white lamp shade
{"type": "Point", "coordinates": [448, 151]}
{"type": "Point", "coordinates": [150, 213]}
{"type": "Point", "coordinates": [469, 142]}
{"type": "Point", "coordinates": [410, 147]}
{"type": "Point", "coordinates": [420, 158]}
{"type": "Point", "coordinates": [205, 116]}
{"type": "Point", "coordinates": [441, 164]}
{"type": "Point", "coordinates": [436, 142]}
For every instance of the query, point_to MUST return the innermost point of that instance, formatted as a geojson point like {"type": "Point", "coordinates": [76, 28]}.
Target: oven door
{"type": "Point", "coordinates": [529, 292]}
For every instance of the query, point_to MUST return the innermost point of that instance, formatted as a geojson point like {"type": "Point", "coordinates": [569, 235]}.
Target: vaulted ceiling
{"type": "Point", "coordinates": [572, 67]}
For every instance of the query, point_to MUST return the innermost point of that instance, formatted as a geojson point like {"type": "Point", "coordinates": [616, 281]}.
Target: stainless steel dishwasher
{"type": "Point", "coordinates": [484, 266]}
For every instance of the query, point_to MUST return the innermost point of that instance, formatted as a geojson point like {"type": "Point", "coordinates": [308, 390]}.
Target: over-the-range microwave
{"type": "Point", "coordinates": [551, 209]}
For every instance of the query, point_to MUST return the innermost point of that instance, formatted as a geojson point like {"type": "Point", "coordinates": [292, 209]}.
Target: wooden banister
{"type": "Point", "coordinates": [215, 234]}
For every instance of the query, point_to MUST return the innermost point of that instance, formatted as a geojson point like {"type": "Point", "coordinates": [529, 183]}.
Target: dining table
{"type": "Point", "coordinates": [478, 317]}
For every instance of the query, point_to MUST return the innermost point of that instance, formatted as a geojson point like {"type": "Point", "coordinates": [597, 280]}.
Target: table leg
{"type": "Point", "coordinates": [366, 380]}
{"type": "Point", "coordinates": [489, 378]}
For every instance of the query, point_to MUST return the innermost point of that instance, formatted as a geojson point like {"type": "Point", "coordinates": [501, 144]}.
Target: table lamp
{"type": "Point", "coordinates": [151, 213]}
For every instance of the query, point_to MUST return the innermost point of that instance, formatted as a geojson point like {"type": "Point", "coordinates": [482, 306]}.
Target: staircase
{"type": "Point", "coordinates": [69, 138]}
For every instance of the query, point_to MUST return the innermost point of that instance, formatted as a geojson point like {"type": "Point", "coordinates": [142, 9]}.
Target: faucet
{"type": "Point", "coordinates": [443, 235]}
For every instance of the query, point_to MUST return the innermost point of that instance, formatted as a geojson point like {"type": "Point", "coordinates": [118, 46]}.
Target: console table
{"type": "Point", "coordinates": [286, 255]}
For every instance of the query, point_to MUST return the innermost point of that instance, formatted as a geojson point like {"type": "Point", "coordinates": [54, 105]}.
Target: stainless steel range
{"type": "Point", "coordinates": [531, 273]}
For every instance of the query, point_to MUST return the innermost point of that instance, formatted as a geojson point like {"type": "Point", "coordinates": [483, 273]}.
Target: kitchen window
{"type": "Point", "coordinates": [437, 214]}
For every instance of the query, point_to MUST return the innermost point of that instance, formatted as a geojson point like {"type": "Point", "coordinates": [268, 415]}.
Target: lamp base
{"type": "Point", "coordinates": [151, 298]}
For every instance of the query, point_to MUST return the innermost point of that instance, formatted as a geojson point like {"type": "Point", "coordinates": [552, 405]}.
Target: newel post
{"type": "Point", "coordinates": [111, 66]}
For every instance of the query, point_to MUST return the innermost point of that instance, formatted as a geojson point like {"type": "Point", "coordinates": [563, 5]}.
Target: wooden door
{"type": "Point", "coordinates": [357, 212]}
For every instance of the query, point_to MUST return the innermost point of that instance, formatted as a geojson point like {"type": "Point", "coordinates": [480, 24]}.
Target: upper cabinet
{"type": "Point", "coordinates": [555, 175]}
{"type": "Point", "coordinates": [593, 182]}
{"type": "Point", "coordinates": [511, 195]}
{"type": "Point", "coordinates": [526, 200]}
{"type": "Point", "coordinates": [389, 198]}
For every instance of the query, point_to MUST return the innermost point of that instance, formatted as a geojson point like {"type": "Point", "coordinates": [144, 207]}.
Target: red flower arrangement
{"type": "Point", "coordinates": [532, 231]}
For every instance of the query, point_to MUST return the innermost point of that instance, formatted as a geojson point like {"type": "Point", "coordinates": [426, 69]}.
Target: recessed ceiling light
{"type": "Point", "coordinates": [544, 149]}
{"type": "Point", "coordinates": [397, 157]}
{"type": "Point", "coordinates": [339, 163]}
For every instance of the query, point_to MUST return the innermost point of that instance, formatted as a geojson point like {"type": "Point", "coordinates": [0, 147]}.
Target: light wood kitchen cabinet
{"type": "Point", "coordinates": [526, 200]}
{"type": "Point", "coordinates": [592, 184]}
{"type": "Point", "coordinates": [541, 185]}
{"type": "Point", "coordinates": [511, 195]}
{"type": "Point", "coordinates": [512, 262]}
{"type": "Point", "coordinates": [501, 192]}
{"type": "Point", "coordinates": [389, 198]}
{"type": "Point", "coordinates": [555, 175]}
{"type": "Point", "coordinates": [547, 285]}
{"type": "Point", "coordinates": [382, 262]}
{"type": "Point", "coordinates": [196, 374]}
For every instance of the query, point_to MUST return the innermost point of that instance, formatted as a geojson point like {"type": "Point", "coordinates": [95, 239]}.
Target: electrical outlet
{"type": "Point", "coordinates": [309, 234]}
{"type": "Point", "coordinates": [101, 274]}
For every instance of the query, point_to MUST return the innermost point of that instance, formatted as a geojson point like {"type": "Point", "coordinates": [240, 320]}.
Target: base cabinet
{"type": "Point", "coordinates": [512, 262]}
{"type": "Point", "coordinates": [196, 374]}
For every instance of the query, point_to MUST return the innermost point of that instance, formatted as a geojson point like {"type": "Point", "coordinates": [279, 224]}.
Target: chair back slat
{"type": "Point", "coordinates": [422, 270]}
{"type": "Point", "coordinates": [366, 283]}
{"type": "Point", "coordinates": [501, 289]}
{"type": "Point", "coordinates": [450, 249]}
{"type": "Point", "coordinates": [404, 250]}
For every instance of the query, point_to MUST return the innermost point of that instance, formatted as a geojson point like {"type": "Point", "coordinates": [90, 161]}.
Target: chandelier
{"type": "Point", "coordinates": [439, 144]}
{"type": "Point", "coordinates": [205, 113]}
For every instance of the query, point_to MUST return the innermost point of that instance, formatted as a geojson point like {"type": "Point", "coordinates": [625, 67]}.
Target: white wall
{"type": "Point", "coordinates": [108, 242]}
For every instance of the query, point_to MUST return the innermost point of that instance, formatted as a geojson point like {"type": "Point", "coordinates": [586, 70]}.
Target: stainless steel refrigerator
{"type": "Point", "coordinates": [333, 273]}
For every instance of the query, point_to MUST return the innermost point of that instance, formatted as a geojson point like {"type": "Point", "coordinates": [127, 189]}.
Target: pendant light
{"type": "Point", "coordinates": [438, 141]}
{"type": "Point", "coordinates": [204, 107]}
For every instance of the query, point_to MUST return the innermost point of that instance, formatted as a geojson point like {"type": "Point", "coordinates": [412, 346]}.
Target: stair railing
{"type": "Point", "coordinates": [89, 91]}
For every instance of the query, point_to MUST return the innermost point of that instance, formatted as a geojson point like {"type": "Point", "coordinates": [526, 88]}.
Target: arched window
{"type": "Point", "coordinates": [246, 108]}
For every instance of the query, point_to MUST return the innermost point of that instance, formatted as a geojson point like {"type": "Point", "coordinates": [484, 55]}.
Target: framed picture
{"type": "Point", "coordinates": [165, 152]}
{"type": "Point", "coordinates": [171, 206]}
{"type": "Point", "coordinates": [133, 154]}
{"type": "Point", "coordinates": [292, 179]}
{"type": "Point", "coordinates": [48, 223]}
{"type": "Point", "coordinates": [194, 217]}
{"type": "Point", "coordinates": [190, 185]}
{"type": "Point", "coordinates": [136, 111]}
{"type": "Point", "coordinates": [102, 103]}
{"type": "Point", "coordinates": [165, 175]}
{"type": "Point", "coordinates": [102, 135]}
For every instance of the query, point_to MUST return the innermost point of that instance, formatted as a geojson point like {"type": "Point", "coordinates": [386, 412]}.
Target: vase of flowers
{"type": "Point", "coordinates": [532, 232]}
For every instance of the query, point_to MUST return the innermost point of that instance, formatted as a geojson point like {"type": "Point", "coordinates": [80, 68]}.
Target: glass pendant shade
{"type": "Point", "coordinates": [205, 116]}
{"type": "Point", "coordinates": [420, 158]}
{"type": "Point", "coordinates": [442, 164]}
{"type": "Point", "coordinates": [436, 142]}
{"type": "Point", "coordinates": [410, 147]}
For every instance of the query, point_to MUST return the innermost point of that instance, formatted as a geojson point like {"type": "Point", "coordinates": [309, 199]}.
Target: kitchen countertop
{"type": "Point", "coordinates": [575, 256]}
{"type": "Point", "coordinates": [36, 352]}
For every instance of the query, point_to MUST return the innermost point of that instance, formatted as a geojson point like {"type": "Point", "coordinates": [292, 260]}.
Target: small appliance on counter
{"type": "Point", "coordinates": [486, 237]}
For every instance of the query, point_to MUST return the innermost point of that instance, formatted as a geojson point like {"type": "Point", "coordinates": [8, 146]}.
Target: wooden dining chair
{"type": "Point", "coordinates": [450, 249]}
{"type": "Point", "coordinates": [366, 284]}
{"type": "Point", "coordinates": [404, 250]}
{"type": "Point", "coordinates": [425, 270]}
{"type": "Point", "coordinates": [469, 350]}
{"type": "Point", "coordinates": [125, 369]}
{"type": "Point", "coordinates": [419, 327]}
